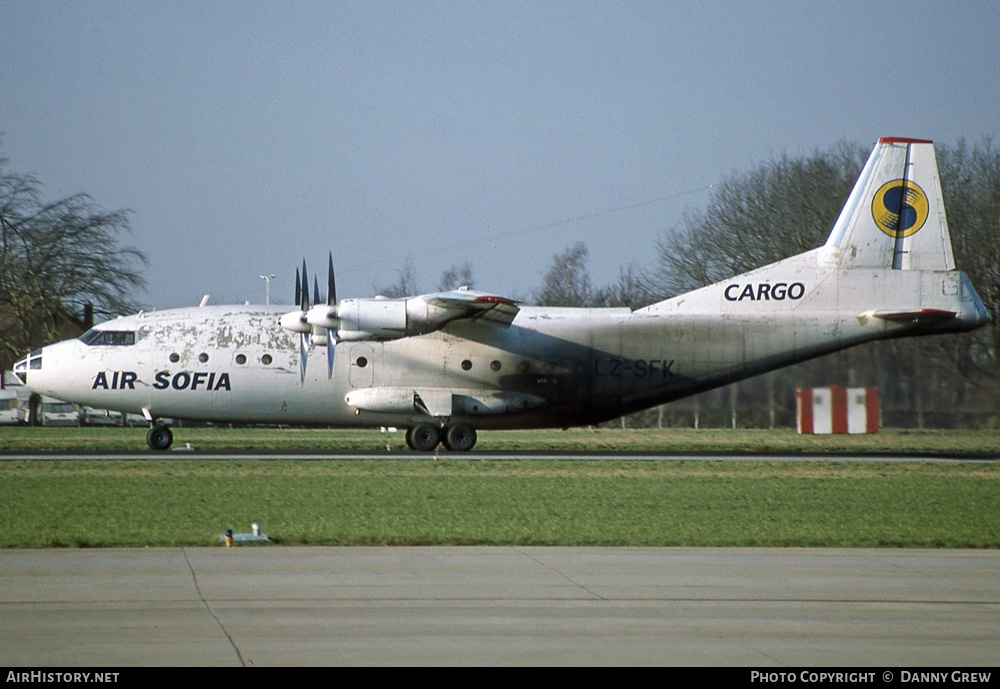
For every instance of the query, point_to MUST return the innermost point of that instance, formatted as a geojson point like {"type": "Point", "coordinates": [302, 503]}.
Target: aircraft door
{"type": "Point", "coordinates": [362, 371]}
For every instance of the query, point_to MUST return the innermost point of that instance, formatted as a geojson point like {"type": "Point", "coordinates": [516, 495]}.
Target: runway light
{"type": "Point", "coordinates": [255, 534]}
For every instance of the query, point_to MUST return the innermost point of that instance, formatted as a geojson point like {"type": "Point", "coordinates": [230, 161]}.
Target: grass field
{"type": "Point", "coordinates": [963, 443]}
{"type": "Point", "coordinates": [165, 500]}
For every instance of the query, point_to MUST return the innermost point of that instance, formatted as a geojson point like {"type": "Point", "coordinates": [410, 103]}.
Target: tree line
{"type": "Point", "coordinates": [786, 206]}
{"type": "Point", "coordinates": [63, 262]}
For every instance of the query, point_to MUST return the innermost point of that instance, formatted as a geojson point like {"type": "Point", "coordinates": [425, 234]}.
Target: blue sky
{"type": "Point", "coordinates": [248, 135]}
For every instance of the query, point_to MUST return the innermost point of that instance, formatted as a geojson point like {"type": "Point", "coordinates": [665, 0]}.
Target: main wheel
{"type": "Point", "coordinates": [461, 437]}
{"type": "Point", "coordinates": [159, 437]}
{"type": "Point", "coordinates": [423, 437]}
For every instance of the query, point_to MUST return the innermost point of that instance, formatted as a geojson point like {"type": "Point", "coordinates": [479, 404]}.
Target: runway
{"type": "Point", "coordinates": [182, 453]}
{"type": "Point", "coordinates": [291, 606]}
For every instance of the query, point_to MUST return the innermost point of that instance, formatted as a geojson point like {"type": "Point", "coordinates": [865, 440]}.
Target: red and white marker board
{"type": "Point", "coordinates": [837, 410]}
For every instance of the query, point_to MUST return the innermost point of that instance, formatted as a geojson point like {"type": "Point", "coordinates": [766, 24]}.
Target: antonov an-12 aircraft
{"type": "Point", "coordinates": [447, 365]}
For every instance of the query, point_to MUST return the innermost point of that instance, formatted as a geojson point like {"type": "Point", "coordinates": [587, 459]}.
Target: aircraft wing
{"type": "Point", "coordinates": [469, 304]}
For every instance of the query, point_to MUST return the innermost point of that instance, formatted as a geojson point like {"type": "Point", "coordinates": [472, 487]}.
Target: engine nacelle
{"type": "Point", "coordinates": [390, 319]}
{"type": "Point", "coordinates": [378, 319]}
{"type": "Point", "coordinates": [298, 322]}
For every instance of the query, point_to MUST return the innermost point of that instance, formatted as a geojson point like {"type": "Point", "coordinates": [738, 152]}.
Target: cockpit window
{"type": "Point", "coordinates": [114, 338]}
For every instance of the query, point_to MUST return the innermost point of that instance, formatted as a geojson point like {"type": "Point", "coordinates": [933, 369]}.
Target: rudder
{"type": "Point", "coordinates": [895, 215]}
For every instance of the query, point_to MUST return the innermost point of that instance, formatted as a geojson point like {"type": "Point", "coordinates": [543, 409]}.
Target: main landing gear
{"type": "Point", "coordinates": [159, 437]}
{"type": "Point", "coordinates": [424, 437]}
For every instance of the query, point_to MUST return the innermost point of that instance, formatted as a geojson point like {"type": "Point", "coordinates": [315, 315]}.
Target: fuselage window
{"type": "Point", "coordinates": [113, 338]}
{"type": "Point", "coordinates": [203, 358]}
{"type": "Point", "coordinates": [175, 357]}
{"type": "Point", "coordinates": [266, 360]}
{"type": "Point", "coordinates": [241, 359]}
{"type": "Point", "coordinates": [466, 365]}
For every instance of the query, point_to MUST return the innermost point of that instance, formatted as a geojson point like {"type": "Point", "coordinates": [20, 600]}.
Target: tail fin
{"type": "Point", "coordinates": [895, 215]}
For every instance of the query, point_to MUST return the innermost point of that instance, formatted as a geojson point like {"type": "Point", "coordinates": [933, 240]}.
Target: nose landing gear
{"type": "Point", "coordinates": [159, 437]}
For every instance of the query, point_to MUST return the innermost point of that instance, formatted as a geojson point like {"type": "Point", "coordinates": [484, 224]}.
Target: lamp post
{"type": "Point", "coordinates": [267, 279]}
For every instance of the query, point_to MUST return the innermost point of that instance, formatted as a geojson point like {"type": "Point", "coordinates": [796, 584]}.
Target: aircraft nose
{"type": "Point", "coordinates": [47, 371]}
{"type": "Point", "coordinates": [27, 363]}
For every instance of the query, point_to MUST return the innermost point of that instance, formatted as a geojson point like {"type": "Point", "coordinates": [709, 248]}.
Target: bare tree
{"type": "Point", "coordinates": [58, 259]}
{"type": "Point", "coordinates": [567, 282]}
{"type": "Point", "coordinates": [455, 277]}
{"type": "Point", "coordinates": [970, 181]}
{"type": "Point", "coordinates": [782, 208]}
{"type": "Point", "coordinates": [628, 290]}
{"type": "Point", "coordinates": [405, 285]}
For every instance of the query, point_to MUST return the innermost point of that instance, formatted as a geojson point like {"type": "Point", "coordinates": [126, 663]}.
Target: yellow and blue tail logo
{"type": "Point", "coordinates": [900, 208]}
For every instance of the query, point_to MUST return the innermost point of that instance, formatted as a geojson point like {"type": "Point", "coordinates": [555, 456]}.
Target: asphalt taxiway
{"type": "Point", "coordinates": [183, 453]}
{"type": "Point", "coordinates": [290, 606]}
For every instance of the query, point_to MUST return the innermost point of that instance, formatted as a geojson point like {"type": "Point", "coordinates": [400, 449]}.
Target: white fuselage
{"type": "Point", "coordinates": [462, 360]}
{"type": "Point", "coordinates": [550, 367]}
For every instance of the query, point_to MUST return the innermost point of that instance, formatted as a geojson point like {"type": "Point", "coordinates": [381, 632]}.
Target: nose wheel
{"type": "Point", "coordinates": [159, 437]}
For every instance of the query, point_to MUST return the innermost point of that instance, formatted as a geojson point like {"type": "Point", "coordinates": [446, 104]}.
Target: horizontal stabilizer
{"type": "Point", "coordinates": [918, 316]}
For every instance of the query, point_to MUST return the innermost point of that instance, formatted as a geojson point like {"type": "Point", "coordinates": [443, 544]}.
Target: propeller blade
{"type": "Point", "coordinates": [331, 300]}
{"type": "Point", "coordinates": [315, 290]}
{"type": "Point", "coordinates": [331, 287]}
{"type": "Point", "coordinates": [305, 300]}
{"type": "Point", "coordinates": [305, 288]}
{"type": "Point", "coordinates": [298, 288]}
{"type": "Point", "coordinates": [331, 347]}
{"type": "Point", "coordinates": [303, 339]}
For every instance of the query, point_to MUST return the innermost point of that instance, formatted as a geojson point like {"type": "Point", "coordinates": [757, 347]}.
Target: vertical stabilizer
{"type": "Point", "coordinates": [894, 217]}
